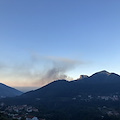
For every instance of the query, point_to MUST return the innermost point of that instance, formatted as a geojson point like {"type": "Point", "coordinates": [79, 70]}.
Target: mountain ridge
{"type": "Point", "coordinates": [7, 91]}
{"type": "Point", "coordinates": [100, 83]}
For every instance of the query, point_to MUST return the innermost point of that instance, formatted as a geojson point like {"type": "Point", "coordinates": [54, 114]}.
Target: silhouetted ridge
{"type": "Point", "coordinates": [51, 89]}
{"type": "Point", "coordinates": [104, 72]}
{"type": "Point", "coordinates": [101, 82]}
{"type": "Point", "coordinates": [6, 91]}
{"type": "Point", "coordinates": [104, 77]}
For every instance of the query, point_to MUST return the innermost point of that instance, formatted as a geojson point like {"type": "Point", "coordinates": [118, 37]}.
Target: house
{"type": "Point", "coordinates": [17, 117]}
{"type": "Point", "coordinates": [29, 109]}
{"type": "Point", "coordinates": [34, 118]}
{"type": "Point", "coordinates": [31, 118]}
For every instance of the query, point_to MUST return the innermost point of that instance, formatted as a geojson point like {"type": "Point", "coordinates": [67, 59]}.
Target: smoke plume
{"type": "Point", "coordinates": [38, 71]}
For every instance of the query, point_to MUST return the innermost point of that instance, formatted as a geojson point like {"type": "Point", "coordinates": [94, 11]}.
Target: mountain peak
{"type": "Point", "coordinates": [103, 72]}
{"type": "Point", "coordinates": [104, 77]}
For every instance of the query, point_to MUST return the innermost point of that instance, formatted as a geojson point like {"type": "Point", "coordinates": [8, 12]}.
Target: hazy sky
{"type": "Point", "coordinates": [44, 40]}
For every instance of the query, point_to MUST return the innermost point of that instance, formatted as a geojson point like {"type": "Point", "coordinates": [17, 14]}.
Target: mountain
{"type": "Point", "coordinates": [6, 91]}
{"type": "Point", "coordinates": [104, 77]}
{"type": "Point", "coordinates": [93, 97]}
{"type": "Point", "coordinates": [100, 83]}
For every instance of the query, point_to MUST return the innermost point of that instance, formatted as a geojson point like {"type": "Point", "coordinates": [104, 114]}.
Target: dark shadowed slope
{"type": "Point", "coordinates": [85, 84]}
{"type": "Point", "coordinates": [100, 83]}
{"type": "Point", "coordinates": [53, 89]}
{"type": "Point", "coordinates": [6, 91]}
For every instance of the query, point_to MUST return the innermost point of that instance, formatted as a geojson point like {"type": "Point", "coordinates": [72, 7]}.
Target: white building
{"type": "Point", "coordinates": [31, 118]}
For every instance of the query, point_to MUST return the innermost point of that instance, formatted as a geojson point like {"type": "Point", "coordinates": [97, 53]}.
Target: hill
{"type": "Point", "coordinates": [6, 91]}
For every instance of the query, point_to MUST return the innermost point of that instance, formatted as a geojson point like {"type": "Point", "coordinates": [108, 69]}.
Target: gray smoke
{"type": "Point", "coordinates": [58, 69]}
{"type": "Point", "coordinates": [39, 70]}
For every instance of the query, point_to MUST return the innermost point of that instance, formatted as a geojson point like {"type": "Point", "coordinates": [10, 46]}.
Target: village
{"type": "Point", "coordinates": [112, 97]}
{"type": "Point", "coordinates": [20, 112]}
{"type": "Point", "coordinates": [26, 112]}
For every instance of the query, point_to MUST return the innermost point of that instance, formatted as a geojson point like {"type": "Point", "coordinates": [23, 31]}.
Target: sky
{"type": "Point", "coordinates": [45, 40]}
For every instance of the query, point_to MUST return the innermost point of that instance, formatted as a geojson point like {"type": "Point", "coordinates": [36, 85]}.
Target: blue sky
{"type": "Point", "coordinates": [76, 37]}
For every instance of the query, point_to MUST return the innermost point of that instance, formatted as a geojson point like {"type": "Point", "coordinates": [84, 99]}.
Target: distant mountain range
{"type": "Point", "coordinates": [6, 91]}
{"type": "Point", "coordinates": [100, 83]}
